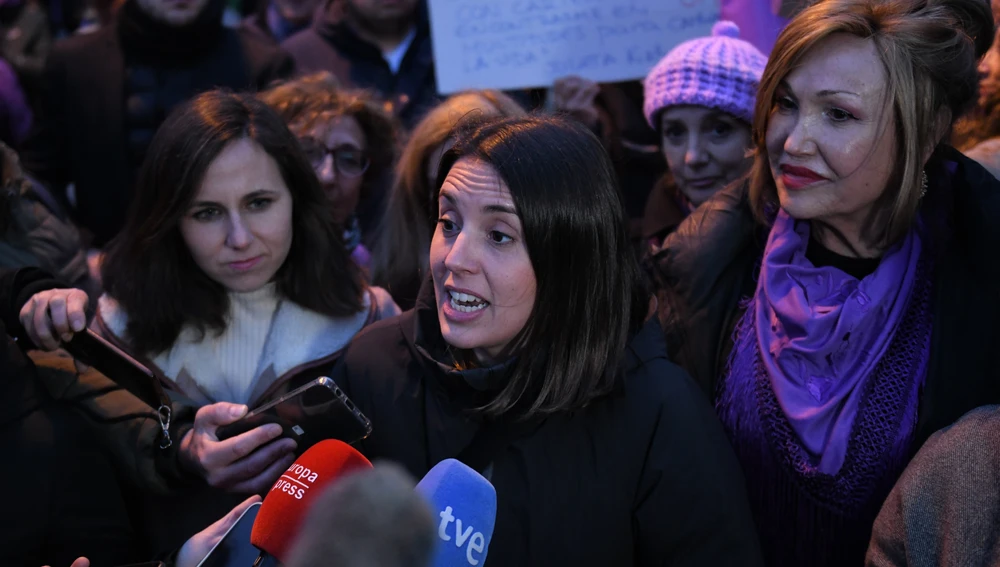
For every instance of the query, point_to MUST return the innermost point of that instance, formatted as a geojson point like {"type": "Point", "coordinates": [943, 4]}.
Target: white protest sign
{"type": "Point", "coordinates": [511, 44]}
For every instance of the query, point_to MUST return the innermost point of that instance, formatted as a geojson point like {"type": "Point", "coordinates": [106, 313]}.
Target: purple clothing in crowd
{"type": "Point", "coordinates": [758, 20]}
{"type": "Point", "coordinates": [15, 115]}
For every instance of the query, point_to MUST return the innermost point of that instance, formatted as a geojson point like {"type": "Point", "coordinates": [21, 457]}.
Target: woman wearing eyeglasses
{"type": "Point", "coordinates": [350, 141]}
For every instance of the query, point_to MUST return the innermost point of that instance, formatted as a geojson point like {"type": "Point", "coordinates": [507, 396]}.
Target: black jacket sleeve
{"type": "Point", "coordinates": [16, 288]}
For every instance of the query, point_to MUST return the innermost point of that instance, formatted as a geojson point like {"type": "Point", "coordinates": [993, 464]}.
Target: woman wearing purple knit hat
{"type": "Point", "coordinates": [700, 99]}
{"type": "Point", "coordinates": [840, 304]}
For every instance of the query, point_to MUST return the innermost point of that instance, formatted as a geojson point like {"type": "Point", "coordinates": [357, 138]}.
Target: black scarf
{"type": "Point", "coordinates": [152, 42]}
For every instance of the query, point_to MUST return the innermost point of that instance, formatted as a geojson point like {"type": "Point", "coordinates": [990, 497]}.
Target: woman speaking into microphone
{"type": "Point", "coordinates": [531, 356]}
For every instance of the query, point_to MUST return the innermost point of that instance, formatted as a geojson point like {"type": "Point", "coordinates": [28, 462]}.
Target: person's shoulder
{"type": "Point", "coordinates": [383, 304]}
{"type": "Point", "coordinates": [384, 329]}
{"type": "Point", "coordinates": [259, 49]}
{"type": "Point", "coordinates": [82, 46]}
{"type": "Point", "coordinates": [306, 39]}
{"type": "Point", "coordinates": [974, 435]}
{"type": "Point", "coordinates": [958, 458]}
{"type": "Point", "coordinates": [651, 378]}
{"type": "Point", "coordinates": [381, 340]}
{"type": "Point", "coordinates": [659, 384]}
{"type": "Point", "coordinates": [253, 39]}
{"type": "Point", "coordinates": [975, 194]}
{"type": "Point", "coordinates": [379, 354]}
{"type": "Point", "coordinates": [718, 229]}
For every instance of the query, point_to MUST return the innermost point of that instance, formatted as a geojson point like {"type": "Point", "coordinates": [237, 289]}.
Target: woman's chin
{"type": "Point", "coordinates": [460, 338]}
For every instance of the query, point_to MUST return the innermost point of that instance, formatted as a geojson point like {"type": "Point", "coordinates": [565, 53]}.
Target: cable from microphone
{"type": "Point", "coordinates": [372, 518]}
{"type": "Point", "coordinates": [465, 507]}
{"type": "Point", "coordinates": [287, 503]}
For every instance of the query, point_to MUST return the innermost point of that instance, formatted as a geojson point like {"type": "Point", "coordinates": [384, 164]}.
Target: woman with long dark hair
{"type": "Point", "coordinates": [532, 355]}
{"type": "Point", "coordinates": [230, 280]}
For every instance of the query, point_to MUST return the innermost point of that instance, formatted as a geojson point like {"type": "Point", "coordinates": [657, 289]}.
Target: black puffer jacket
{"type": "Point", "coordinates": [643, 476]}
{"type": "Point", "coordinates": [72, 444]}
{"type": "Point", "coordinates": [37, 232]}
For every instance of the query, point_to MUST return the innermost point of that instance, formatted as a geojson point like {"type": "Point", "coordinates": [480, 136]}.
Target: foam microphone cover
{"type": "Point", "coordinates": [286, 504]}
{"type": "Point", "coordinates": [371, 518]}
{"type": "Point", "coordinates": [465, 509]}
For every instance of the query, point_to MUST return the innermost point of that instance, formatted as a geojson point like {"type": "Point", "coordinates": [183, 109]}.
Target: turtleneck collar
{"type": "Point", "coordinates": [150, 41]}
{"type": "Point", "coordinates": [265, 292]}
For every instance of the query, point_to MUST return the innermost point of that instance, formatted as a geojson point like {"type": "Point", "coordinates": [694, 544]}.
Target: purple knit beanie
{"type": "Point", "coordinates": [721, 72]}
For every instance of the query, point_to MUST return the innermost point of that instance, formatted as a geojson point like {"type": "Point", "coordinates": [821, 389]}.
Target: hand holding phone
{"type": "Point", "coordinates": [316, 411]}
{"type": "Point", "coordinates": [244, 463]}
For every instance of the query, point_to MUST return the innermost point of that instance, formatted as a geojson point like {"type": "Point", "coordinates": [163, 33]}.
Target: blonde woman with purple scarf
{"type": "Point", "coordinates": [839, 305]}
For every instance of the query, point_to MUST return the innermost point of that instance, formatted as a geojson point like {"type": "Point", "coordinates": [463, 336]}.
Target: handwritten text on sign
{"type": "Point", "coordinates": [509, 44]}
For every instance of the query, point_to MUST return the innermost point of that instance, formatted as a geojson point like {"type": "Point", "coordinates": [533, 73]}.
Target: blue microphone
{"type": "Point", "coordinates": [465, 506]}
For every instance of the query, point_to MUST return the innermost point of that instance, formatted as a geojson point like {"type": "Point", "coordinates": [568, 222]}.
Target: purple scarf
{"type": "Point", "coordinates": [822, 332]}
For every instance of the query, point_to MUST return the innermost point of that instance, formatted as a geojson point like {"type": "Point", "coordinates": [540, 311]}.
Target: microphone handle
{"type": "Point", "coordinates": [265, 559]}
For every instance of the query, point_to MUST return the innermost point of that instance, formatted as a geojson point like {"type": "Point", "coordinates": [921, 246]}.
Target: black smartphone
{"type": "Point", "coordinates": [235, 548]}
{"type": "Point", "coordinates": [94, 350]}
{"type": "Point", "coordinates": [309, 414]}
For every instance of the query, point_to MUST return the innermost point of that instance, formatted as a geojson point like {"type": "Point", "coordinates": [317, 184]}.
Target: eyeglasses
{"type": "Point", "coordinates": [347, 160]}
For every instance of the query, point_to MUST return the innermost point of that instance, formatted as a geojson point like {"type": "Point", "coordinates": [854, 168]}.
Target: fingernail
{"type": "Point", "coordinates": [67, 337]}
{"type": "Point", "coordinates": [238, 411]}
{"type": "Point", "coordinates": [273, 430]}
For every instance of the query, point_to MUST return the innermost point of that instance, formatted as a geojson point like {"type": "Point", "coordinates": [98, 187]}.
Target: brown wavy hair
{"type": "Point", "coordinates": [148, 268]}
{"type": "Point", "coordinates": [929, 51]}
{"type": "Point", "coordinates": [314, 100]}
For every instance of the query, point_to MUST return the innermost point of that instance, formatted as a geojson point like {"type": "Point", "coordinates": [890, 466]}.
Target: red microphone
{"type": "Point", "coordinates": [288, 501]}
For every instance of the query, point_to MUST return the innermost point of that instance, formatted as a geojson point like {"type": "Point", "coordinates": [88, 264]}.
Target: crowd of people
{"type": "Point", "coordinates": [736, 313]}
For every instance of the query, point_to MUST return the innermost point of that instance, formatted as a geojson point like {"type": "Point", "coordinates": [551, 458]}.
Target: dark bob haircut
{"type": "Point", "coordinates": [590, 295]}
{"type": "Point", "coordinates": [148, 268]}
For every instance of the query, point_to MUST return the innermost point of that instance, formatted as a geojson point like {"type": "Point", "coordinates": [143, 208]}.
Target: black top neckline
{"type": "Point", "coordinates": [821, 257]}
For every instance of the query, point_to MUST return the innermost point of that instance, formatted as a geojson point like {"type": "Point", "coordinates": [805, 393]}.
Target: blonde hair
{"type": "Point", "coordinates": [928, 50]}
{"type": "Point", "coordinates": [403, 238]}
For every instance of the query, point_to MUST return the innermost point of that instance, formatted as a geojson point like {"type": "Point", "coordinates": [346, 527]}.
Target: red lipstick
{"type": "Point", "coordinates": [794, 177]}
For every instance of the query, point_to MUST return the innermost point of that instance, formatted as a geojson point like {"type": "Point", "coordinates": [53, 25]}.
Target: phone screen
{"type": "Point", "coordinates": [235, 547]}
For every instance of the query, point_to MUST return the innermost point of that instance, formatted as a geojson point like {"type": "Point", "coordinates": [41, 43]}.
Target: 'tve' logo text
{"type": "Point", "coordinates": [476, 543]}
